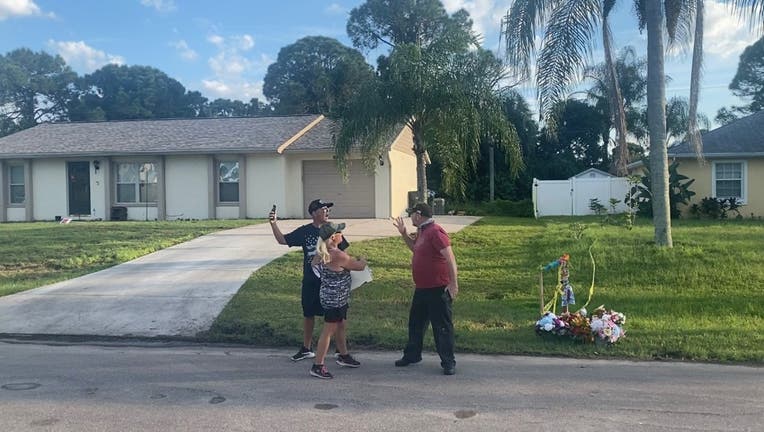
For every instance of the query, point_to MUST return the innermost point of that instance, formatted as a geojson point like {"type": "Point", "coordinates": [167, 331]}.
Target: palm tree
{"type": "Point", "coordinates": [568, 37]}
{"type": "Point", "coordinates": [435, 80]}
{"type": "Point", "coordinates": [630, 75]}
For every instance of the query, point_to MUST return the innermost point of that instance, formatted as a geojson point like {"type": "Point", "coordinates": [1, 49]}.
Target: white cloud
{"type": "Point", "coordinates": [242, 90]}
{"type": "Point", "coordinates": [15, 8]}
{"type": "Point", "coordinates": [245, 42]}
{"type": "Point", "coordinates": [725, 35]}
{"type": "Point", "coordinates": [184, 50]}
{"type": "Point", "coordinates": [335, 9]}
{"type": "Point", "coordinates": [233, 73]}
{"type": "Point", "coordinates": [160, 5]}
{"type": "Point", "coordinates": [486, 16]}
{"type": "Point", "coordinates": [82, 57]}
{"type": "Point", "coordinates": [216, 40]}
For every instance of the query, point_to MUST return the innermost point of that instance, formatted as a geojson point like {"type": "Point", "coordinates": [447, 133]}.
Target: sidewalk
{"type": "Point", "coordinates": [177, 291]}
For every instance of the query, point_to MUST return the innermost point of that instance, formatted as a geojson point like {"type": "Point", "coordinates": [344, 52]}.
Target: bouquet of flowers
{"type": "Point", "coordinates": [580, 328]}
{"type": "Point", "coordinates": [604, 325]}
{"type": "Point", "coordinates": [607, 325]}
{"type": "Point", "coordinates": [551, 324]}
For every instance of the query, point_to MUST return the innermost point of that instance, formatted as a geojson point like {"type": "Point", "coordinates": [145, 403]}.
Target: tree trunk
{"type": "Point", "coordinates": [621, 158]}
{"type": "Point", "coordinates": [656, 121]}
{"type": "Point", "coordinates": [697, 62]}
{"type": "Point", "coordinates": [421, 165]}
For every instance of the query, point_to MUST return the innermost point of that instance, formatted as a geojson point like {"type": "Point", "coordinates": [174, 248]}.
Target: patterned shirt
{"type": "Point", "coordinates": [335, 287]}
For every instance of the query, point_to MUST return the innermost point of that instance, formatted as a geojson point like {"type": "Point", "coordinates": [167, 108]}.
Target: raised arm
{"type": "Point", "coordinates": [401, 226]}
{"type": "Point", "coordinates": [275, 228]}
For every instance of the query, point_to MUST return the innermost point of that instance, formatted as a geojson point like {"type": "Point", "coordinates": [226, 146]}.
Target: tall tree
{"type": "Point", "coordinates": [34, 87]}
{"type": "Point", "coordinates": [434, 79]}
{"type": "Point", "coordinates": [630, 73]}
{"type": "Point", "coordinates": [315, 75]}
{"type": "Point", "coordinates": [748, 84]}
{"type": "Point", "coordinates": [131, 92]}
{"type": "Point", "coordinates": [568, 38]}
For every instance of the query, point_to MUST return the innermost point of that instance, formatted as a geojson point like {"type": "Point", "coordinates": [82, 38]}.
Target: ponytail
{"type": "Point", "coordinates": [322, 252]}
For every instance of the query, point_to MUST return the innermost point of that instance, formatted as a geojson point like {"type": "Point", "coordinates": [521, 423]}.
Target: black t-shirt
{"type": "Point", "coordinates": [306, 237]}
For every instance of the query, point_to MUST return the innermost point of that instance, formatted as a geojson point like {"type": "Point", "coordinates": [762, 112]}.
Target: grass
{"type": "Point", "coordinates": [36, 254]}
{"type": "Point", "coordinates": [699, 301]}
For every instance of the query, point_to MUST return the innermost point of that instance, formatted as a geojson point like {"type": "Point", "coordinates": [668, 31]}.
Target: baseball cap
{"type": "Point", "coordinates": [317, 204]}
{"type": "Point", "coordinates": [421, 208]}
{"type": "Point", "coordinates": [329, 228]}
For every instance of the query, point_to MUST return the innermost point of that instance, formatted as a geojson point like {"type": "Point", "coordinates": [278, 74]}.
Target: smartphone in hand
{"type": "Point", "coordinates": [272, 216]}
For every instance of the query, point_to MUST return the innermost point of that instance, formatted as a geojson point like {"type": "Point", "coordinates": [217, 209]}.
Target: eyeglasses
{"type": "Point", "coordinates": [326, 209]}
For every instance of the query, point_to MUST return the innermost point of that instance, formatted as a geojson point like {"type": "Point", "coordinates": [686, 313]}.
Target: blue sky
{"type": "Point", "coordinates": [223, 48]}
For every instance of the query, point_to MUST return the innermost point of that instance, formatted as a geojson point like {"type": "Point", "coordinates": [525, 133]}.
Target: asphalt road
{"type": "Point", "coordinates": [161, 387]}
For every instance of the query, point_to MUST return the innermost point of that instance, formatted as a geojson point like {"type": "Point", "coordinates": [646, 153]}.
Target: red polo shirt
{"type": "Point", "coordinates": [428, 265]}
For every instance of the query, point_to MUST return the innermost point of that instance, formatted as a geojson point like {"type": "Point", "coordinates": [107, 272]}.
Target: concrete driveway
{"type": "Point", "coordinates": [177, 291]}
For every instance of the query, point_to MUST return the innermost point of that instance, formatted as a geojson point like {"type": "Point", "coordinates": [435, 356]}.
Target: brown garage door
{"type": "Point", "coordinates": [354, 199]}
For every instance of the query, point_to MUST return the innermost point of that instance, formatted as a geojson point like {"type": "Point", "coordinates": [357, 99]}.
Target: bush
{"type": "Point", "coordinates": [716, 208]}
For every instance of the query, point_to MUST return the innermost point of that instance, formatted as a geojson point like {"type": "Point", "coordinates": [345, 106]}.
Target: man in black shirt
{"type": "Point", "coordinates": [306, 237]}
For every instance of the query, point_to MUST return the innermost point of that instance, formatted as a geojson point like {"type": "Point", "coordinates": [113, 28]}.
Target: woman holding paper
{"type": "Point", "coordinates": [335, 266]}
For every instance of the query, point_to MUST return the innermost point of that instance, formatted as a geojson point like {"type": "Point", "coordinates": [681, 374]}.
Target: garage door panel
{"type": "Point", "coordinates": [354, 199]}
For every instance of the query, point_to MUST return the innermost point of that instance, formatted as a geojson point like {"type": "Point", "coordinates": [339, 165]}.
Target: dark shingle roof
{"type": "Point", "coordinates": [743, 137]}
{"type": "Point", "coordinates": [251, 134]}
{"type": "Point", "coordinates": [318, 138]}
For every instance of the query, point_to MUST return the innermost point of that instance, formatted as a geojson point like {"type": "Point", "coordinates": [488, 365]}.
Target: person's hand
{"type": "Point", "coordinates": [362, 260]}
{"type": "Point", "coordinates": [272, 216]}
{"type": "Point", "coordinates": [398, 223]}
{"type": "Point", "coordinates": [453, 289]}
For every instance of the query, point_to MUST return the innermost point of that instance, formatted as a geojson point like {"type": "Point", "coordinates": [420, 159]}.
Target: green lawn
{"type": "Point", "coordinates": [697, 301]}
{"type": "Point", "coordinates": [36, 254]}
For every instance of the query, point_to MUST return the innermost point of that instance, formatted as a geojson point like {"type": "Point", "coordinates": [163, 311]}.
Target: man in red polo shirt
{"type": "Point", "coordinates": [433, 267]}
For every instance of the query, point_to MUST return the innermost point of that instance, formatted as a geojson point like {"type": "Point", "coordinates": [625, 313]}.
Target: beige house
{"type": "Point", "coordinates": [215, 168]}
{"type": "Point", "coordinates": [733, 164]}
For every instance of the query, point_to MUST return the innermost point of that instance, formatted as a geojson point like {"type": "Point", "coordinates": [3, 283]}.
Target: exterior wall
{"type": "Point", "coordinates": [383, 190]}
{"type": "Point", "coordinates": [266, 181]}
{"type": "Point", "coordinates": [402, 172]}
{"type": "Point", "coordinates": [703, 185]}
{"type": "Point", "coordinates": [50, 192]}
{"type": "Point", "coordinates": [228, 212]}
{"type": "Point", "coordinates": [402, 180]}
{"type": "Point", "coordinates": [187, 185]}
{"type": "Point", "coordinates": [16, 214]}
{"type": "Point", "coordinates": [100, 209]}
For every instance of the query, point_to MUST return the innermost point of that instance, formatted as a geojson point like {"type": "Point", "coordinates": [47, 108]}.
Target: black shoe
{"type": "Point", "coordinates": [449, 370]}
{"type": "Point", "coordinates": [347, 361]}
{"type": "Point", "coordinates": [303, 353]}
{"type": "Point", "coordinates": [405, 362]}
{"type": "Point", "coordinates": [319, 371]}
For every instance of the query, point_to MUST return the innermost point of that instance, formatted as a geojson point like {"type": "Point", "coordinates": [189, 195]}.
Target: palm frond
{"type": "Point", "coordinates": [753, 9]}
{"type": "Point", "coordinates": [519, 30]}
{"type": "Point", "coordinates": [567, 44]}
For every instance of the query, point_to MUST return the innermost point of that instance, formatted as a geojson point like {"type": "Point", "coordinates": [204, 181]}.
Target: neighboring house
{"type": "Point", "coordinates": [733, 164]}
{"type": "Point", "coordinates": [593, 173]}
{"type": "Point", "coordinates": [211, 168]}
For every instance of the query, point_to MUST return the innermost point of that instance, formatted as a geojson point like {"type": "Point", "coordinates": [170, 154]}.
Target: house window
{"type": "Point", "coordinates": [729, 180]}
{"type": "Point", "coordinates": [137, 182]}
{"type": "Point", "coordinates": [228, 181]}
{"type": "Point", "coordinates": [16, 182]}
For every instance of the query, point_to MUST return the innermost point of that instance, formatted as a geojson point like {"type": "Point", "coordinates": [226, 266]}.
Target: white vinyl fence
{"type": "Point", "coordinates": [571, 197]}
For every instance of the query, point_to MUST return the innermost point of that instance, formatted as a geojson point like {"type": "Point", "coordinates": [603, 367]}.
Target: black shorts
{"type": "Point", "coordinates": [333, 315]}
{"type": "Point", "coordinates": [311, 302]}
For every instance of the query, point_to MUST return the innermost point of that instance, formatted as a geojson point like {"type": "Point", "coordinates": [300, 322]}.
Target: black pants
{"type": "Point", "coordinates": [431, 306]}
